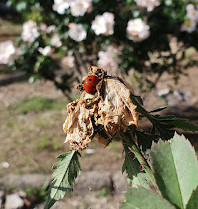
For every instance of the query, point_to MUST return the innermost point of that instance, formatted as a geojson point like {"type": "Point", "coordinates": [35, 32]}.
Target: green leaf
{"type": "Point", "coordinates": [131, 165]}
{"type": "Point", "coordinates": [66, 171]}
{"type": "Point", "coordinates": [164, 130]}
{"type": "Point", "coordinates": [175, 169]}
{"type": "Point", "coordinates": [183, 124]}
{"type": "Point", "coordinates": [164, 117]}
{"type": "Point", "coordinates": [139, 99]}
{"type": "Point", "coordinates": [173, 122]}
{"type": "Point", "coordinates": [134, 160]}
{"type": "Point", "coordinates": [193, 202]}
{"type": "Point", "coordinates": [141, 198]}
{"type": "Point", "coordinates": [159, 109]}
{"type": "Point", "coordinates": [145, 140]}
{"type": "Point", "coordinates": [140, 180]}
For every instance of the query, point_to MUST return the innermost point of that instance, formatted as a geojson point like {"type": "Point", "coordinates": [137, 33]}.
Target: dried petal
{"type": "Point", "coordinates": [115, 110]}
{"type": "Point", "coordinates": [78, 125]}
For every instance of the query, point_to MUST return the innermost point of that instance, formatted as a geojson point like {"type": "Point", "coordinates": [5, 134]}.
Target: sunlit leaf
{"type": "Point", "coordinates": [175, 169]}
{"type": "Point", "coordinates": [66, 171]}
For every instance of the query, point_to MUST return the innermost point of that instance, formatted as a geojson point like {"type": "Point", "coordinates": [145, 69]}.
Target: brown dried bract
{"type": "Point", "coordinates": [110, 107]}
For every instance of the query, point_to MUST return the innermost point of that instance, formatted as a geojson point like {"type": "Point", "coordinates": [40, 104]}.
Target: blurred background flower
{"type": "Point", "coordinates": [77, 32]}
{"type": "Point", "coordinates": [61, 5]}
{"type": "Point", "coordinates": [103, 24]}
{"type": "Point", "coordinates": [80, 7]}
{"type": "Point", "coordinates": [137, 30]}
{"type": "Point", "coordinates": [7, 52]}
{"type": "Point", "coordinates": [148, 4]}
{"type": "Point", "coordinates": [46, 51]}
{"type": "Point", "coordinates": [109, 60]}
{"type": "Point", "coordinates": [68, 61]}
{"type": "Point", "coordinates": [30, 31]}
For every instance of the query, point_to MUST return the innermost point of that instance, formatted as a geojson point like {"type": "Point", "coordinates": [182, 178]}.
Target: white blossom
{"type": "Point", "coordinates": [104, 24]}
{"type": "Point", "coordinates": [46, 51]}
{"type": "Point", "coordinates": [55, 40]}
{"type": "Point", "coordinates": [7, 52]}
{"type": "Point", "coordinates": [188, 26]}
{"type": "Point", "coordinates": [137, 30]}
{"type": "Point", "coordinates": [30, 31]}
{"type": "Point", "coordinates": [68, 61]}
{"type": "Point", "coordinates": [80, 7]}
{"type": "Point", "coordinates": [192, 12]}
{"type": "Point", "coordinates": [109, 60]}
{"type": "Point", "coordinates": [61, 5]}
{"type": "Point", "coordinates": [148, 4]}
{"type": "Point", "coordinates": [77, 32]}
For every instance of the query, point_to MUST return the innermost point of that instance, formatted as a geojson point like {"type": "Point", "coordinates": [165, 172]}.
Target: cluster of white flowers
{"type": "Point", "coordinates": [192, 19]}
{"type": "Point", "coordinates": [68, 61]}
{"type": "Point", "coordinates": [55, 40]}
{"type": "Point", "coordinates": [46, 51]}
{"type": "Point", "coordinates": [109, 60]}
{"type": "Point", "coordinates": [77, 32]}
{"type": "Point", "coordinates": [7, 52]}
{"type": "Point", "coordinates": [78, 7]}
{"type": "Point", "coordinates": [148, 4]}
{"type": "Point", "coordinates": [104, 24]}
{"type": "Point", "coordinates": [137, 30]}
{"type": "Point", "coordinates": [30, 31]}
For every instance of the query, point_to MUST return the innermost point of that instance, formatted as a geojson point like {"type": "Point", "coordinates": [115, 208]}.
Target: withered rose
{"type": "Point", "coordinates": [110, 108]}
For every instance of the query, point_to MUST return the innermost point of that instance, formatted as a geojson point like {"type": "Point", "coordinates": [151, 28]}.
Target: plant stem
{"type": "Point", "coordinates": [133, 147]}
{"type": "Point", "coordinates": [143, 162]}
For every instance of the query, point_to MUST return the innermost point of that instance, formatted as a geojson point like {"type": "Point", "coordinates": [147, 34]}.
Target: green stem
{"type": "Point", "coordinates": [133, 147]}
{"type": "Point", "coordinates": [143, 162]}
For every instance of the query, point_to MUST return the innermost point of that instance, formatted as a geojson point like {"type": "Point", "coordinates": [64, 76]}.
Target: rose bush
{"type": "Point", "coordinates": [117, 35]}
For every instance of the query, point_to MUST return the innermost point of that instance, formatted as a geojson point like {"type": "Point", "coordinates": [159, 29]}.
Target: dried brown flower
{"type": "Point", "coordinates": [110, 107]}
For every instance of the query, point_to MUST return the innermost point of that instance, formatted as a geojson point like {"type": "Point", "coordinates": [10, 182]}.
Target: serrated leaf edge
{"type": "Point", "coordinates": [181, 138]}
